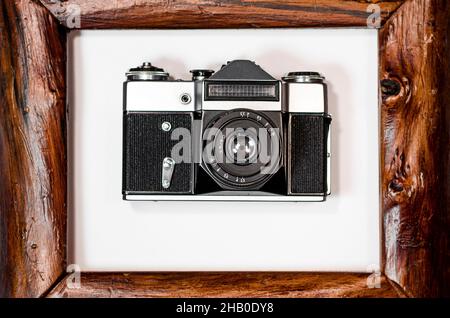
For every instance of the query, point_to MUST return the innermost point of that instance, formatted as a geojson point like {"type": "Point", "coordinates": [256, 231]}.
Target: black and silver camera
{"type": "Point", "coordinates": [234, 134]}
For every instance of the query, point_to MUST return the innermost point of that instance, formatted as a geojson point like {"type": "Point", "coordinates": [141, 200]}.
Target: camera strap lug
{"type": "Point", "coordinates": [167, 171]}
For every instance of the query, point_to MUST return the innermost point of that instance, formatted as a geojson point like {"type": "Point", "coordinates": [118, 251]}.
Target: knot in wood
{"type": "Point", "coordinates": [389, 88]}
{"type": "Point", "coordinates": [396, 185]}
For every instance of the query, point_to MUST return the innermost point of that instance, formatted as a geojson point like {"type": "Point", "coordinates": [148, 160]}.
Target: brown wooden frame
{"type": "Point", "coordinates": [414, 71]}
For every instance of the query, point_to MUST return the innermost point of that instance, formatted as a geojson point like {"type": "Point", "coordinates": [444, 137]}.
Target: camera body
{"type": "Point", "coordinates": [237, 134]}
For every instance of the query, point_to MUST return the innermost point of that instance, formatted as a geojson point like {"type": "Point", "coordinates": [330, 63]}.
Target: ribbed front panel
{"type": "Point", "coordinates": [145, 147]}
{"type": "Point", "coordinates": [307, 158]}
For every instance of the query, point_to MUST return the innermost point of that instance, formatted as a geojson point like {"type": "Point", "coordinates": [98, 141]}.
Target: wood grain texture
{"type": "Point", "coordinates": [32, 149]}
{"type": "Point", "coordinates": [217, 14]}
{"type": "Point", "coordinates": [254, 284]}
{"type": "Point", "coordinates": [415, 151]}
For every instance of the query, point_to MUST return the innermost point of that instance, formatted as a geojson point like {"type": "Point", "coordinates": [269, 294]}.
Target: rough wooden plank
{"type": "Point", "coordinates": [32, 149]}
{"type": "Point", "coordinates": [415, 150]}
{"type": "Point", "coordinates": [249, 284]}
{"type": "Point", "coordinates": [217, 14]}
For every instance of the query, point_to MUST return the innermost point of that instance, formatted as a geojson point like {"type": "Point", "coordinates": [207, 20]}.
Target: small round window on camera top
{"type": "Point", "coordinates": [147, 72]}
{"type": "Point", "coordinates": [185, 98]}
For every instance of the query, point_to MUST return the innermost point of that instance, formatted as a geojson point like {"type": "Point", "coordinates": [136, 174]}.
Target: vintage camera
{"type": "Point", "coordinates": [237, 134]}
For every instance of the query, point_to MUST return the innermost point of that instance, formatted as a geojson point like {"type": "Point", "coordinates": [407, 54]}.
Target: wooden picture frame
{"type": "Point", "coordinates": [414, 73]}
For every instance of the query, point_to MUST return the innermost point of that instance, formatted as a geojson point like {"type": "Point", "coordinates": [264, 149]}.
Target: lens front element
{"type": "Point", "coordinates": [242, 146]}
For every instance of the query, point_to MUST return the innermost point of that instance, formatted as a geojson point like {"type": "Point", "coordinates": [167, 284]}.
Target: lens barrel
{"type": "Point", "coordinates": [241, 149]}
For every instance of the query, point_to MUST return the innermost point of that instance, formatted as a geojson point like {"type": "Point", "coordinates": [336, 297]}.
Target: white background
{"type": "Point", "coordinates": [106, 233]}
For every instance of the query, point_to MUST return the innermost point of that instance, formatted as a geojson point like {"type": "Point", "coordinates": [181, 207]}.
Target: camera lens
{"type": "Point", "coordinates": [242, 149]}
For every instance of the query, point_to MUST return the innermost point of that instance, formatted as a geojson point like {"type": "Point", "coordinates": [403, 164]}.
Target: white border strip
{"type": "Point", "coordinates": [252, 198]}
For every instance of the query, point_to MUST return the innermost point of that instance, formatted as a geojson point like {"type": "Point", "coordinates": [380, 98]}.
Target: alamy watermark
{"type": "Point", "coordinates": [73, 280]}
{"type": "Point", "coordinates": [70, 11]}
{"type": "Point", "coordinates": [374, 19]}
{"type": "Point", "coordinates": [234, 145]}
{"type": "Point", "coordinates": [374, 279]}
